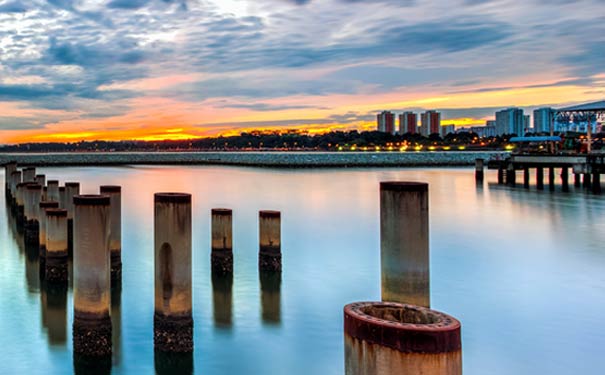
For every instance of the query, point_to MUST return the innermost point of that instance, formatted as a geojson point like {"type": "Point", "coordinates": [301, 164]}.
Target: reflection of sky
{"type": "Point", "coordinates": [521, 269]}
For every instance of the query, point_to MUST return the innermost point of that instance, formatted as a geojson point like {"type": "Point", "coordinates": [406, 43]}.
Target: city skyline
{"type": "Point", "coordinates": [176, 69]}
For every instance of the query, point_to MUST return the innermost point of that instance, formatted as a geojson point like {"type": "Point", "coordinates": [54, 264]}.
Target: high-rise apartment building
{"type": "Point", "coordinates": [511, 121]}
{"type": "Point", "coordinates": [543, 120]}
{"type": "Point", "coordinates": [385, 122]}
{"type": "Point", "coordinates": [447, 129]}
{"type": "Point", "coordinates": [431, 123]}
{"type": "Point", "coordinates": [408, 123]}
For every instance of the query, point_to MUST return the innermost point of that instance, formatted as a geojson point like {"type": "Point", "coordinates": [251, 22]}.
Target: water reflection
{"type": "Point", "coordinates": [91, 366]}
{"type": "Point", "coordinates": [116, 324]}
{"type": "Point", "coordinates": [53, 302]}
{"type": "Point", "coordinates": [270, 286]}
{"type": "Point", "coordinates": [222, 299]}
{"type": "Point", "coordinates": [173, 363]}
{"type": "Point", "coordinates": [32, 268]}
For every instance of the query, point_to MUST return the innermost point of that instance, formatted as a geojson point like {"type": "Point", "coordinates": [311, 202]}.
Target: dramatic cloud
{"type": "Point", "coordinates": [120, 68]}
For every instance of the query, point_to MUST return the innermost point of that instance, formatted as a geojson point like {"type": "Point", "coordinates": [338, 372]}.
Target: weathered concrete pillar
{"type": "Point", "coordinates": [576, 180]}
{"type": "Point", "coordinates": [40, 180]}
{"type": "Point", "coordinates": [511, 175]}
{"type": "Point", "coordinates": [173, 321]}
{"type": "Point", "coordinates": [596, 183]}
{"type": "Point", "coordinates": [551, 178]}
{"type": "Point", "coordinates": [29, 174]}
{"type": "Point", "coordinates": [526, 178]}
{"type": "Point", "coordinates": [92, 289]}
{"type": "Point", "coordinates": [20, 203]}
{"type": "Point", "coordinates": [222, 299]}
{"type": "Point", "coordinates": [500, 175]}
{"type": "Point", "coordinates": [479, 170]}
{"type": "Point", "coordinates": [222, 241]}
{"type": "Point", "coordinates": [15, 179]}
{"type": "Point", "coordinates": [269, 256]}
{"type": "Point", "coordinates": [565, 179]}
{"type": "Point", "coordinates": [56, 271]}
{"type": "Point", "coordinates": [540, 178]}
{"type": "Point", "coordinates": [391, 338]}
{"type": "Point", "coordinates": [44, 205]}
{"type": "Point", "coordinates": [270, 297]}
{"type": "Point", "coordinates": [115, 239]}
{"type": "Point", "coordinates": [52, 191]}
{"type": "Point", "coordinates": [71, 190]}
{"type": "Point", "coordinates": [9, 168]}
{"type": "Point", "coordinates": [404, 242]}
{"type": "Point", "coordinates": [586, 182]}
{"type": "Point", "coordinates": [62, 197]}
{"type": "Point", "coordinates": [33, 195]}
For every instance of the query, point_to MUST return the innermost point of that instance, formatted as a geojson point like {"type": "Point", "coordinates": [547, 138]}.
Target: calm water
{"type": "Point", "coordinates": [523, 271]}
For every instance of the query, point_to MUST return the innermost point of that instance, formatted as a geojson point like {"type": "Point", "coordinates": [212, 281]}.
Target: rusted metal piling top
{"type": "Point", "coordinates": [393, 338]}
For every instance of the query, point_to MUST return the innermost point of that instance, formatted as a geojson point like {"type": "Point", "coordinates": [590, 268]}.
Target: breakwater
{"type": "Point", "coordinates": [258, 159]}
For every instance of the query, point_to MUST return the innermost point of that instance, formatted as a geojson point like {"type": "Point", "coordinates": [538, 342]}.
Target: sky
{"type": "Point", "coordinates": [178, 69]}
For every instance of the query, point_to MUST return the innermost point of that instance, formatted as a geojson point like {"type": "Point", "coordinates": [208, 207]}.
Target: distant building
{"type": "Point", "coordinates": [447, 129]}
{"type": "Point", "coordinates": [511, 121]}
{"type": "Point", "coordinates": [543, 120]}
{"type": "Point", "coordinates": [408, 123]}
{"type": "Point", "coordinates": [526, 127]}
{"type": "Point", "coordinates": [431, 123]}
{"type": "Point", "coordinates": [484, 131]}
{"type": "Point", "coordinates": [385, 122]}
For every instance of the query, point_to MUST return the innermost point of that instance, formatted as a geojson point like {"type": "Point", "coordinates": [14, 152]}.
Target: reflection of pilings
{"type": "Point", "coordinates": [500, 175]}
{"type": "Point", "coordinates": [511, 175]}
{"type": "Point", "coordinates": [551, 178]}
{"type": "Point", "coordinates": [173, 363]}
{"type": "Point", "coordinates": [32, 267]}
{"type": "Point", "coordinates": [586, 181]}
{"type": "Point", "coordinates": [392, 338]}
{"type": "Point", "coordinates": [565, 179]}
{"type": "Point", "coordinates": [479, 170]}
{"type": "Point", "coordinates": [71, 190]}
{"type": "Point", "coordinates": [173, 321]}
{"type": "Point", "coordinates": [29, 174]}
{"type": "Point", "coordinates": [576, 180]}
{"type": "Point", "coordinates": [54, 312]}
{"type": "Point", "coordinates": [52, 191]}
{"type": "Point", "coordinates": [540, 178]}
{"type": "Point", "coordinates": [92, 323]}
{"type": "Point", "coordinates": [269, 256]}
{"type": "Point", "coordinates": [404, 242]}
{"type": "Point", "coordinates": [596, 183]}
{"type": "Point", "coordinates": [44, 205]}
{"type": "Point", "coordinates": [115, 239]}
{"type": "Point", "coordinates": [221, 257]}
{"type": "Point", "coordinates": [56, 270]}
{"type": "Point", "coordinates": [116, 325]}
{"type": "Point", "coordinates": [32, 197]}
{"type": "Point", "coordinates": [270, 287]}
{"type": "Point", "coordinates": [526, 178]}
{"type": "Point", "coordinates": [222, 298]}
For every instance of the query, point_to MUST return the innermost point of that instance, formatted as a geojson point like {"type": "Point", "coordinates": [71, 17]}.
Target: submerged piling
{"type": "Point", "coordinates": [173, 321]}
{"type": "Point", "coordinates": [269, 256]}
{"type": "Point", "coordinates": [479, 170]}
{"type": "Point", "coordinates": [565, 179]}
{"type": "Point", "coordinates": [404, 242]}
{"type": "Point", "coordinates": [56, 271]}
{"type": "Point", "coordinates": [92, 322]}
{"type": "Point", "coordinates": [222, 241]}
{"type": "Point", "coordinates": [391, 338]}
{"type": "Point", "coordinates": [115, 239]}
{"type": "Point", "coordinates": [43, 206]}
{"type": "Point", "coordinates": [540, 178]}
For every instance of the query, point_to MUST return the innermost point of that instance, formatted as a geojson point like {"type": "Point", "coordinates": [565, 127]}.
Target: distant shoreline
{"type": "Point", "coordinates": [255, 159]}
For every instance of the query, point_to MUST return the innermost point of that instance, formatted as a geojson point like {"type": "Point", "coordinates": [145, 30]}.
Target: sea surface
{"type": "Point", "coordinates": [524, 271]}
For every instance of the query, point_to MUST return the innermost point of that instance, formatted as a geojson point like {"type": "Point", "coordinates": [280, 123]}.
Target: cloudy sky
{"type": "Point", "coordinates": [154, 69]}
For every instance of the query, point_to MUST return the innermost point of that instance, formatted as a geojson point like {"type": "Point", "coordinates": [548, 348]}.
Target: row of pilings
{"type": "Point", "coordinates": [62, 223]}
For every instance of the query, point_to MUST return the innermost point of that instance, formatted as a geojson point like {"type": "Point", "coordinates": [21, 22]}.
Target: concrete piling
{"type": "Point", "coordinates": [173, 321]}
{"type": "Point", "coordinates": [92, 288]}
{"type": "Point", "coordinates": [32, 197]}
{"type": "Point", "coordinates": [500, 175]}
{"type": "Point", "coordinates": [586, 182]}
{"type": "Point", "coordinates": [115, 239]}
{"type": "Point", "coordinates": [565, 179]}
{"type": "Point", "coordinates": [269, 256]}
{"type": "Point", "coordinates": [479, 170]}
{"type": "Point", "coordinates": [551, 178]}
{"type": "Point", "coordinates": [29, 174]}
{"type": "Point", "coordinates": [14, 180]}
{"type": "Point", "coordinates": [596, 183]}
{"type": "Point", "coordinates": [62, 196]}
{"type": "Point", "coordinates": [540, 178]}
{"type": "Point", "coordinates": [9, 169]}
{"type": "Point", "coordinates": [526, 178]}
{"type": "Point", "coordinates": [511, 175]}
{"type": "Point", "coordinates": [20, 205]}
{"type": "Point", "coordinates": [40, 180]}
{"type": "Point", "coordinates": [56, 271]}
{"type": "Point", "coordinates": [383, 338]}
{"type": "Point", "coordinates": [404, 242]}
{"type": "Point", "coordinates": [576, 180]}
{"type": "Point", "coordinates": [71, 190]}
{"type": "Point", "coordinates": [222, 241]}
{"type": "Point", "coordinates": [52, 191]}
{"type": "Point", "coordinates": [43, 206]}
